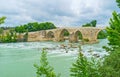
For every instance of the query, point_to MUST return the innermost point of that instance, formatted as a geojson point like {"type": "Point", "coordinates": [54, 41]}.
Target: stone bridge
{"type": "Point", "coordinates": [88, 33]}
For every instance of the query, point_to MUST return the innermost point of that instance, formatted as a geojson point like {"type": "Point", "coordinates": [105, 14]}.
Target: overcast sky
{"type": "Point", "coordinates": [60, 12]}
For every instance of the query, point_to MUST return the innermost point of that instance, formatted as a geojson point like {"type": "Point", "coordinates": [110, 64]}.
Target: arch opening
{"type": "Point", "coordinates": [102, 34]}
{"type": "Point", "coordinates": [50, 35]}
{"type": "Point", "coordinates": [64, 35]}
{"type": "Point", "coordinates": [78, 36]}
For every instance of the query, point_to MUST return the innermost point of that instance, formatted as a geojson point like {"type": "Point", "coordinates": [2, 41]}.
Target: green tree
{"type": "Point", "coordinates": [118, 2]}
{"type": "Point", "coordinates": [8, 37]}
{"type": "Point", "coordinates": [44, 69]}
{"type": "Point", "coordinates": [13, 35]}
{"type": "Point", "coordinates": [102, 34]}
{"type": "Point", "coordinates": [111, 65]}
{"type": "Point", "coordinates": [80, 67]}
{"type": "Point", "coordinates": [84, 67]}
{"type": "Point", "coordinates": [86, 25]}
{"type": "Point", "coordinates": [113, 31]}
{"type": "Point", "coordinates": [20, 29]}
{"type": "Point", "coordinates": [91, 24]}
{"type": "Point", "coordinates": [34, 26]}
{"type": "Point", "coordinates": [1, 31]}
{"type": "Point", "coordinates": [2, 19]}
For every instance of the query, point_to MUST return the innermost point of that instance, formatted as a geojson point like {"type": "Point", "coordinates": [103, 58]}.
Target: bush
{"type": "Point", "coordinates": [111, 65]}
{"type": "Point", "coordinates": [86, 40]}
{"type": "Point", "coordinates": [8, 37]}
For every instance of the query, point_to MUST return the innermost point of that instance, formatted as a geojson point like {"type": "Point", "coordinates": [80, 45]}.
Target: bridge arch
{"type": "Point", "coordinates": [64, 34]}
{"type": "Point", "coordinates": [50, 35]}
{"type": "Point", "coordinates": [77, 36]}
{"type": "Point", "coordinates": [101, 34]}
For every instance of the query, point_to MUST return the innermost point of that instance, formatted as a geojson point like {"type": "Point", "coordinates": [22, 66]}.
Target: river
{"type": "Point", "coordinates": [17, 59]}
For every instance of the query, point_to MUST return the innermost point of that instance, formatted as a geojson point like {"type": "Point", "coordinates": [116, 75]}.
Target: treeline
{"type": "Point", "coordinates": [35, 26]}
{"type": "Point", "coordinates": [10, 34]}
{"type": "Point", "coordinates": [90, 24]}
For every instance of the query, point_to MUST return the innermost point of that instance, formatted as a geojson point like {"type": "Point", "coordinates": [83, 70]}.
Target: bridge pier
{"type": "Point", "coordinates": [90, 36]}
{"type": "Point", "coordinates": [73, 38]}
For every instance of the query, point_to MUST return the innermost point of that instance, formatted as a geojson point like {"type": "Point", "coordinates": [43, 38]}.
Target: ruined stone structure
{"type": "Point", "coordinates": [88, 33]}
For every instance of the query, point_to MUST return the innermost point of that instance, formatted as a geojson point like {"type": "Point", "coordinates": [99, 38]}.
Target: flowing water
{"type": "Point", "coordinates": [17, 59]}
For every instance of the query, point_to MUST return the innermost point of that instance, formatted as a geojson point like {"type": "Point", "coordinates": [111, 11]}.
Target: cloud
{"type": "Point", "coordinates": [60, 12]}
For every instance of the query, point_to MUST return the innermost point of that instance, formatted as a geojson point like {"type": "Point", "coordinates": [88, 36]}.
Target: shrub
{"type": "Point", "coordinates": [85, 68]}
{"type": "Point", "coordinates": [111, 65]}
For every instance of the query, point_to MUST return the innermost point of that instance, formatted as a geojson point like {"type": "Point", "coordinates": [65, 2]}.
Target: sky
{"type": "Point", "coordinates": [60, 12]}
